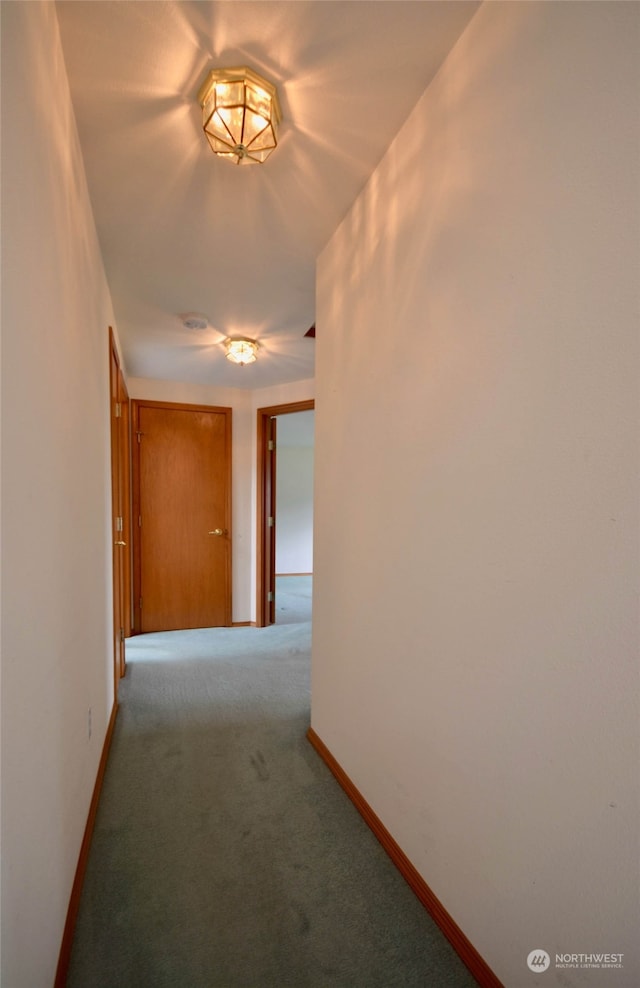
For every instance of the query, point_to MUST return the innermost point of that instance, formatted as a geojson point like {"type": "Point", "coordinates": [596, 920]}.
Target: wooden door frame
{"type": "Point", "coordinates": [125, 465]}
{"type": "Point", "coordinates": [136, 405]}
{"type": "Point", "coordinates": [262, 526]}
{"type": "Point", "coordinates": [120, 508]}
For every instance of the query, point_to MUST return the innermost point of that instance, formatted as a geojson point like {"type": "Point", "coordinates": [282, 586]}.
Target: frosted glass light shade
{"type": "Point", "coordinates": [240, 114]}
{"type": "Point", "coordinates": [241, 350]}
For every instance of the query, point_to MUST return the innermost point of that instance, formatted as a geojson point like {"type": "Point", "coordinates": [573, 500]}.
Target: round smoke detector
{"type": "Point", "coordinates": [194, 320]}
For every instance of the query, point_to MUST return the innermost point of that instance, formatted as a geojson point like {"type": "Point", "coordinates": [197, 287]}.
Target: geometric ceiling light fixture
{"type": "Point", "coordinates": [241, 350]}
{"type": "Point", "coordinates": [240, 114]}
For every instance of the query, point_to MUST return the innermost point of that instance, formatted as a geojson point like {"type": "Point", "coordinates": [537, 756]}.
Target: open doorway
{"type": "Point", "coordinates": [285, 512]}
{"type": "Point", "coordinates": [294, 517]}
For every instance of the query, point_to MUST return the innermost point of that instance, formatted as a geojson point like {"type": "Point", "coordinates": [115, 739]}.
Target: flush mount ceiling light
{"type": "Point", "coordinates": [241, 350]}
{"type": "Point", "coordinates": [240, 114]}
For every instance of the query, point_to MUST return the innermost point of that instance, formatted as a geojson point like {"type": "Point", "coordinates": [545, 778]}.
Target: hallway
{"type": "Point", "coordinates": [225, 854]}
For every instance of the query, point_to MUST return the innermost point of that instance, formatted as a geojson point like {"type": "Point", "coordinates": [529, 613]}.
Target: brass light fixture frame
{"type": "Point", "coordinates": [240, 114]}
{"type": "Point", "coordinates": [241, 350]}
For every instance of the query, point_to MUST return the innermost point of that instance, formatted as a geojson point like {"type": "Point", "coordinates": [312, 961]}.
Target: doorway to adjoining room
{"type": "Point", "coordinates": [294, 513]}
{"type": "Point", "coordinates": [285, 516]}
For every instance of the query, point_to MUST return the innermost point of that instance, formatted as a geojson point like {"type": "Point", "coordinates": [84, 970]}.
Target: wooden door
{"type": "Point", "coordinates": [120, 513]}
{"type": "Point", "coordinates": [124, 416]}
{"type": "Point", "coordinates": [182, 499]}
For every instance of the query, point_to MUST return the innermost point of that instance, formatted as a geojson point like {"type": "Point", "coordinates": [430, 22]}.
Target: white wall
{"type": "Point", "coordinates": [244, 460]}
{"type": "Point", "coordinates": [294, 503]}
{"type": "Point", "coordinates": [283, 394]}
{"type": "Point", "coordinates": [57, 647]}
{"type": "Point", "coordinates": [475, 638]}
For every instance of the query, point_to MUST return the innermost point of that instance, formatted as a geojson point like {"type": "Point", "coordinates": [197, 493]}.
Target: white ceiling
{"type": "Point", "coordinates": [183, 231]}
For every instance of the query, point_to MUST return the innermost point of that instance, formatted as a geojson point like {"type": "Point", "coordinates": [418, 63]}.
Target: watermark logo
{"type": "Point", "coordinates": [598, 961]}
{"type": "Point", "coordinates": [538, 960]}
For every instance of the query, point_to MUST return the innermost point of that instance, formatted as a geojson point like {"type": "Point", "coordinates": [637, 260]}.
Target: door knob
{"type": "Point", "coordinates": [119, 543]}
{"type": "Point", "coordinates": [218, 531]}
